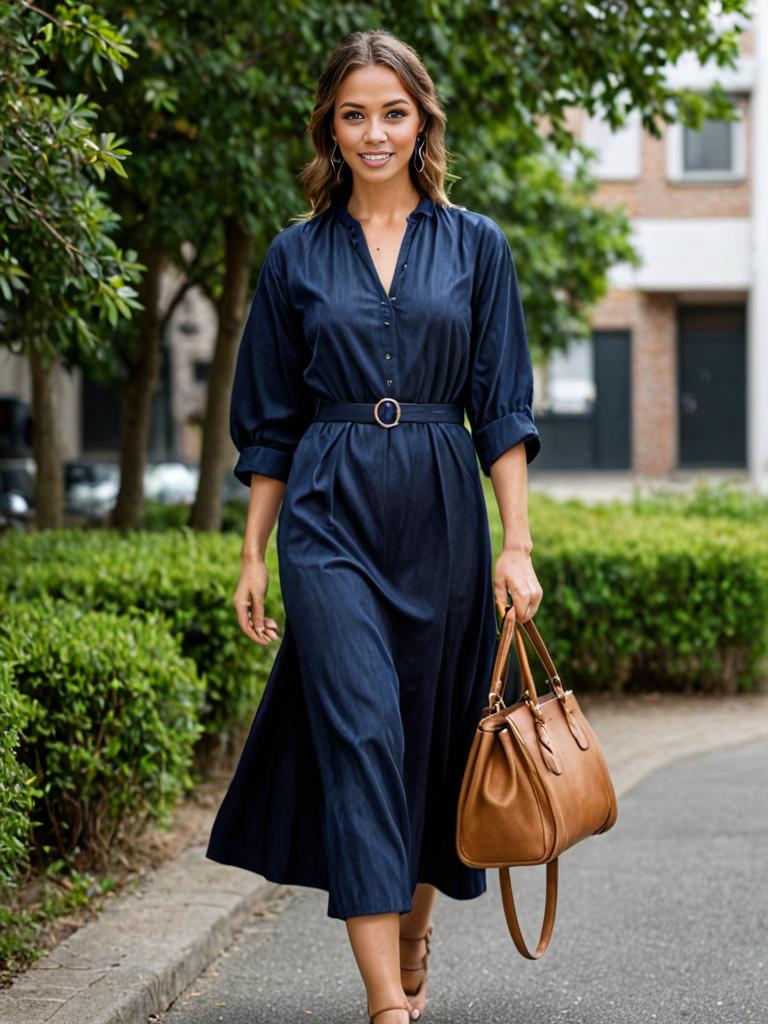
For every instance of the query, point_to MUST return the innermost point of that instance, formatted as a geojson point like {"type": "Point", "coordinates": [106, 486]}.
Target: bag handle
{"type": "Point", "coordinates": [550, 908]}
{"type": "Point", "coordinates": [509, 631]}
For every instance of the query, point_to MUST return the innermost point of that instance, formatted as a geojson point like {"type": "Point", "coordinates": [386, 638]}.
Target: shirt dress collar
{"type": "Point", "coordinates": [424, 208]}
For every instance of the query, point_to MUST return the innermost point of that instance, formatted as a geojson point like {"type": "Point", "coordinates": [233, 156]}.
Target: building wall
{"type": "Point", "coordinates": [696, 242]}
{"type": "Point", "coordinates": [191, 337]}
{"type": "Point", "coordinates": [15, 380]}
{"type": "Point", "coordinates": [654, 195]}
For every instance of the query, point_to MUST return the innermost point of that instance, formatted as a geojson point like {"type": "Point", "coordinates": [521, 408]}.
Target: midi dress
{"type": "Point", "coordinates": [349, 777]}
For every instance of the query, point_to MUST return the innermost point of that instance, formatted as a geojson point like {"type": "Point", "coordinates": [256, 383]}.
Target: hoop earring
{"type": "Point", "coordinates": [337, 166]}
{"type": "Point", "coordinates": [419, 152]}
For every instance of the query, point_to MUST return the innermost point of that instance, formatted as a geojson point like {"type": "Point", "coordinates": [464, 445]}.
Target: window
{"type": "Point", "coordinates": [566, 383]}
{"type": "Point", "coordinates": [714, 152]}
{"type": "Point", "coordinates": [201, 371]}
{"type": "Point", "coordinates": [708, 149]}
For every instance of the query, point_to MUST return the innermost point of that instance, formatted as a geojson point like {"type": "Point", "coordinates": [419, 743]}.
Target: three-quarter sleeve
{"type": "Point", "coordinates": [271, 404]}
{"type": "Point", "coordinates": [499, 397]}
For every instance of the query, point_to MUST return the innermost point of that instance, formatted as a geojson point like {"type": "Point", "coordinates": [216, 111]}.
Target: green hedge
{"type": "Point", "coordinates": [186, 577]}
{"type": "Point", "coordinates": [110, 720]}
{"type": "Point", "coordinates": [120, 652]}
{"type": "Point", "coordinates": [724, 500]}
{"type": "Point", "coordinates": [652, 600]}
{"type": "Point", "coordinates": [16, 782]}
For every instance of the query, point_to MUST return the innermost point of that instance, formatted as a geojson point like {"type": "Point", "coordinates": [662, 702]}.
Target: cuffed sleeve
{"type": "Point", "coordinates": [271, 404]}
{"type": "Point", "coordinates": [499, 397]}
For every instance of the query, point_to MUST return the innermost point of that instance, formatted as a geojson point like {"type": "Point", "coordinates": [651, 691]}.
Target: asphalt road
{"type": "Point", "coordinates": [663, 919]}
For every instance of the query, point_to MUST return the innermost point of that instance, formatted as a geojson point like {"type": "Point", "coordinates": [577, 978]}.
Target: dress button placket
{"type": "Point", "coordinates": [387, 323]}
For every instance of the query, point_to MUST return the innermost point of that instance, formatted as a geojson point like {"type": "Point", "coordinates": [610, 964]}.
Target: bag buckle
{"type": "Point", "coordinates": [497, 700]}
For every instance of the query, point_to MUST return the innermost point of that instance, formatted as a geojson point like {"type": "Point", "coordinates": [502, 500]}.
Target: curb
{"type": "Point", "coordinates": [145, 948]}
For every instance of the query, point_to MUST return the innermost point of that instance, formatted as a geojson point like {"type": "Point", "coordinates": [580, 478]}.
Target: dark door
{"type": "Point", "coordinates": [712, 385]}
{"type": "Point", "coordinates": [613, 407]}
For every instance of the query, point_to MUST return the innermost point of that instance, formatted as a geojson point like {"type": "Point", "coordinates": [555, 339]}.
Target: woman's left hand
{"type": "Point", "coordinates": [514, 575]}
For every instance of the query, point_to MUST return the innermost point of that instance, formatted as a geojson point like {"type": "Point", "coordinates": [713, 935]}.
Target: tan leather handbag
{"type": "Point", "coordinates": [536, 781]}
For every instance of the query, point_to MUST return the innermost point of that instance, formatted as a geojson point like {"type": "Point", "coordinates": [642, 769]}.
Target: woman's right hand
{"type": "Point", "coordinates": [248, 600]}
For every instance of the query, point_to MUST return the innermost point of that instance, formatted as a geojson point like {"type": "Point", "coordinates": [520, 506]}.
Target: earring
{"type": "Point", "coordinates": [336, 162]}
{"type": "Point", "coordinates": [419, 151]}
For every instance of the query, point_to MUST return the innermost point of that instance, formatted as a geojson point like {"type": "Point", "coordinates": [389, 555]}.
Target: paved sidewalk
{"type": "Point", "coordinates": [659, 921]}
{"type": "Point", "coordinates": [147, 947]}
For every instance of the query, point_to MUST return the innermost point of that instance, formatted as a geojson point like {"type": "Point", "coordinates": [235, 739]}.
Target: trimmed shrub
{"type": "Point", "coordinates": [724, 500]}
{"type": "Point", "coordinates": [634, 602]}
{"type": "Point", "coordinates": [185, 576]}
{"type": "Point", "coordinates": [111, 723]}
{"type": "Point", "coordinates": [16, 790]}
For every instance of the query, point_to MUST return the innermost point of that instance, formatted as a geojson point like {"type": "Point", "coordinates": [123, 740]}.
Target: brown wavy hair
{"type": "Point", "coordinates": [318, 178]}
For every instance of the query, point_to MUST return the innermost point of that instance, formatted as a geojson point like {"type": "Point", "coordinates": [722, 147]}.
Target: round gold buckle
{"type": "Point", "coordinates": [376, 412]}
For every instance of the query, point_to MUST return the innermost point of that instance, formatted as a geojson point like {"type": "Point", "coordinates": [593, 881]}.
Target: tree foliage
{"type": "Point", "coordinates": [216, 104]}
{"type": "Point", "coordinates": [213, 99]}
{"type": "Point", "coordinates": [63, 277]}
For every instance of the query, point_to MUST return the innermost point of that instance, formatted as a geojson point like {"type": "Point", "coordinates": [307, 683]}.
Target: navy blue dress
{"type": "Point", "coordinates": [350, 775]}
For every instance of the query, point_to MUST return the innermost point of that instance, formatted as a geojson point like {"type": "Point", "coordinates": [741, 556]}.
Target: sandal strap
{"type": "Point", "coordinates": [426, 937]}
{"type": "Point", "coordinates": [424, 965]}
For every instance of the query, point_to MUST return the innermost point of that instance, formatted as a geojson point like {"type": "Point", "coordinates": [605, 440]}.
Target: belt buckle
{"type": "Point", "coordinates": [376, 412]}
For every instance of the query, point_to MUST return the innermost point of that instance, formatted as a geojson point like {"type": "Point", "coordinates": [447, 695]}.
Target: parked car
{"type": "Point", "coordinates": [17, 490]}
{"type": "Point", "coordinates": [90, 487]}
{"type": "Point", "coordinates": [171, 483]}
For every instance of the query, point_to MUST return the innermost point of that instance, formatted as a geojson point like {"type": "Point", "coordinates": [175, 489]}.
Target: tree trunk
{"type": "Point", "coordinates": [217, 445]}
{"type": "Point", "coordinates": [138, 393]}
{"type": "Point", "coordinates": [49, 474]}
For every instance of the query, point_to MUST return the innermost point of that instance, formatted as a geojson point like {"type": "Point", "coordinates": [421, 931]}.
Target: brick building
{"type": "Point", "coordinates": [675, 375]}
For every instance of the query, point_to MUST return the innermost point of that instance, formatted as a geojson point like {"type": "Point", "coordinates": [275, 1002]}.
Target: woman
{"type": "Point", "coordinates": [378, 319]}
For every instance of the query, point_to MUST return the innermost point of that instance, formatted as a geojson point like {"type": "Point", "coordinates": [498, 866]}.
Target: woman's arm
{"type": "Point", "coordinates": [270, 409]}
{"type": "Point", "coordinates": [266, 495]}
{"type": "Point", "coordinates": [514, 571]}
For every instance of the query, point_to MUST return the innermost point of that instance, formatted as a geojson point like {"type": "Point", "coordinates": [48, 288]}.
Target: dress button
{"type": "Point", "coordinates": [387, 355]}
{"type": "Point", "coordinates": [386, 323]}
{"type": "Point", "coordinates": [389, 381]}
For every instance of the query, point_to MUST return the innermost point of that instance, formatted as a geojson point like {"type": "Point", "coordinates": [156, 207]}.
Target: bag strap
{"type": "Point", "coordinates": [549, 911]}
{"type": "Point", "coordinates": [541, 648]}
{"type": "Point", "coordinates": [510, 628]}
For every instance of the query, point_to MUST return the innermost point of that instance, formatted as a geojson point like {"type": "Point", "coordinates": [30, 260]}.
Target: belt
{"type": "Point", "coordinates": [388, 412]}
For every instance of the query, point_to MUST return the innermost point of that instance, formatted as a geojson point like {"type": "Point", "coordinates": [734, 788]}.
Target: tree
{"type": "Point", "coordinates": [216, 105]}
{"type": "Point", "coordinates": [200, 157]}
{"type": "Point", "coordinates": [63, 278]}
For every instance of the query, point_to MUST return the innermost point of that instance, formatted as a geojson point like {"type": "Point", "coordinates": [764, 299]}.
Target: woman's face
{"type": "Point", "coordinates": [374, 114]}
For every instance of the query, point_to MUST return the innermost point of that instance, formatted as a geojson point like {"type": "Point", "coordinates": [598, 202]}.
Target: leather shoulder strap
{"type": "Point", "coordinates": [549, 911]}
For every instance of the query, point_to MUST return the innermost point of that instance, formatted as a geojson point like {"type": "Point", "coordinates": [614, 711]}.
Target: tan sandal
{"type": "Point", "coordinates": [384, 1009]}
{"type": "Point", "coordinates": [423, 966]}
